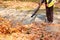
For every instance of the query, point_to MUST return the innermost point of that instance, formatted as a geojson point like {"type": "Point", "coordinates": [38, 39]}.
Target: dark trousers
{"type": "Point", "coordinates": [49, 13]}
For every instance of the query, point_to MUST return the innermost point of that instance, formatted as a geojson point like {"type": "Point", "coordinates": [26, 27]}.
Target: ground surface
{"type": "Point", "coordinates": [12, 19]}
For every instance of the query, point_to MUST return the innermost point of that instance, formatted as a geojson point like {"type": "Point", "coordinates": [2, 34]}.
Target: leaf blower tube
{"type": "Point", "coordinates": [36, 10]}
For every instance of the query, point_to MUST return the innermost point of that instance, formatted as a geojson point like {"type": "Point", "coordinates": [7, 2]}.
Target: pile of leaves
{"type": "Point", "coordinates": [33, 31]}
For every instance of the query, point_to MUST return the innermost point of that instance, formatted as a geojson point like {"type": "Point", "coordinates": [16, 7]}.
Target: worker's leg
{"type": "Point", "coordinates": [49, 14]}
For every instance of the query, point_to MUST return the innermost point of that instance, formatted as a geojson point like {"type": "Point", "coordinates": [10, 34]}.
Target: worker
{"type": "Point", "coordinates": [49, 9]}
